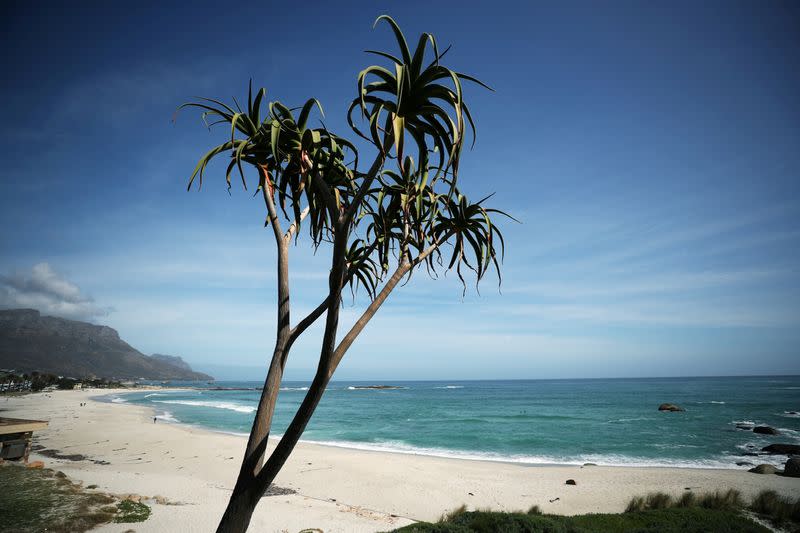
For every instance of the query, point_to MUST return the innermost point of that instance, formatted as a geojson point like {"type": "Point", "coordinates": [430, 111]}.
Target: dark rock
{"type": "Point", "coordinates": [570, 482]}
{"type": "Point", "coordinates": [750, 454]}
{"type": "Point", "coordinates": [763, 469]}
{"type": "Point", "coordinates": [670, 407]}
{"type": "Point", "coordinates": [589, 464]}
{"type": "Point", "coordinates": [744, 463]}
{"type": "Point", "coordinates": [792, 468]}
{"type": "Point", "coordinates": [782, 449]}
{"type": "Point", "coordinates": [766, 430]}
{"type": "Point", "coordinates": [748, 427]}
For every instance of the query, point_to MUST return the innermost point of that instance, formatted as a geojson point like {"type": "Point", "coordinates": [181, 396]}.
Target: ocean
{"type": "Point", "coordinates": [602, 421]}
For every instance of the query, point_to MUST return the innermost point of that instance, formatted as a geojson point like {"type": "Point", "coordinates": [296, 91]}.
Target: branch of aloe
{"type": "Point", "coordinates": [373, 171]}
{"type": "Point", "coordinates": [266, 192]}
{"type": "Point", "coordinates": [402, 269]}
{"type": "Point", "coordinates": [296, 224]}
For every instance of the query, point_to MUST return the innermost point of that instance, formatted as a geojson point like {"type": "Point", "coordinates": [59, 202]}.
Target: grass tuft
{"type": "Point", "coordinates": [654, 500]}
{"type": "Point", "coordinates": [687, 499]}
{"type": "Point", "coordinates": [636, 504]}
{"type": "Point", "coordinates": [449, 516]}
{"type": "Point", "coordinates": [777, 508]}
{"type": "Point", "coordinates": [535, 510]}
{"type": "Point", "coordinates": [730, 499]}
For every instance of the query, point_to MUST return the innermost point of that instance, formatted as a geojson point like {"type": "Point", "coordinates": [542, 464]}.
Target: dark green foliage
{"type": "Point", "coordinates": [129, 511]}
{"type": "Point", "coordinates": [386, 214]}
{"type": "Point", "coordinates": [38, 500]}
{"type": "Point", "coordinates": [730, 499]}
{"type": "Point", "coordinates": [673, 520]}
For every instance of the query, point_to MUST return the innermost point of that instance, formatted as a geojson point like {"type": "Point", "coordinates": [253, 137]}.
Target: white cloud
{"type": "Point", "coordinates": [44, 289]}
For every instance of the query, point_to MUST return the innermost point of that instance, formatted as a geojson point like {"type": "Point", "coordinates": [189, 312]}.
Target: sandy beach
{"type": "Point", "coordinates": [337, 489]}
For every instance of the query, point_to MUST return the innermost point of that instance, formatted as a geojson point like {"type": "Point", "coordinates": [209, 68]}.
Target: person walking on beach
{"type": "Point", "coordinates": [154, 419]}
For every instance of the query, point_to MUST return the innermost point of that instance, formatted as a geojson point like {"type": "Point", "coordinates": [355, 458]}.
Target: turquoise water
{"type": "Point", "coordinates": [604, 421]}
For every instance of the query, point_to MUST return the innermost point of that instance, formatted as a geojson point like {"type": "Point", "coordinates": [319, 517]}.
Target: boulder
{"type": "Point", "coordinates": [766, 430]}
{"type": "Point", "coordinates": [782, 449]}
{"type": "Point", "coordinates": [763, 469]}
{"type": "Point", "coordinates": [570, 482]}
{"type": "Point", "coordinates": [670, 407]}
{"type": "Point", "coordinates": [792, 468]}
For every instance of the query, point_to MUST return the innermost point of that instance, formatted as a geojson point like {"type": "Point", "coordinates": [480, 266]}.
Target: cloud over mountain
{"type": "Point", "coordinates": [47, 291]}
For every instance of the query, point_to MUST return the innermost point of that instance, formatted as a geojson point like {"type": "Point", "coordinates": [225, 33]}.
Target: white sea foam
{"type": "Point", "coordinates": [166, 416]}
{"type": "Point", "coordinates": [637, 419]}
{"type": "Point", "coordinates": [392, 387]}
{"type": "Point", "coordinates": [712, 401]}
{"type": "Point", "coordinates": [294, 388]}
{"type": "Point", "coordinates": [790, 414]}
{"type": "Point", "coordinates": [599, 459]}
{"type": "Point", "coordinates": [118, 400]}
{"type": "Point", "coordinates": [215, 405]}
{"type": "Point", "coordinates": [450, 387]}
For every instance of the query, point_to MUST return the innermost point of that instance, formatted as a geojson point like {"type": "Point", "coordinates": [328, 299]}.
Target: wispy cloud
{"type": "Point", "coordinates": [645, 285]}
{"type": "Point", "coordinates": [44, 289]}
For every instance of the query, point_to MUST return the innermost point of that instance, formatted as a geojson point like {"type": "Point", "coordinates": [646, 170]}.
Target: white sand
{"type": "Point", "coordinates": [338, 489]}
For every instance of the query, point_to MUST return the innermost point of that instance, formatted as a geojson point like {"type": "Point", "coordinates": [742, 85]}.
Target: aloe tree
{"type": "Point", "coordinates": [379, 223]}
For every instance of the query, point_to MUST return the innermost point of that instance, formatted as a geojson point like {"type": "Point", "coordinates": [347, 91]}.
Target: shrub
{"type": "Point", "coordinates": [776, 507]}
{"type": "Point", "coordinates": [730, 499]}
{"type": "Point", "coordinates": [129, 511]}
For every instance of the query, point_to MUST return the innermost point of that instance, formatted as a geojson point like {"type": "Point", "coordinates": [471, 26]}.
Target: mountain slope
{"type": "Point", "coordinates": [32, 342]}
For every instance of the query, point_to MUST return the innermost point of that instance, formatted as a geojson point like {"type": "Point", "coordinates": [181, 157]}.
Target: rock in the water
{"type": "Point", "coordinates": [670, 407]}
{"type": "Point", "coordinates": [763, 469]}
{"type": "Point", "coordinates": [570, 482]}
{"type": "Point", "coordinates": [782, 449]}
{"type": "Point", "coordinates": [748, 427]}
{"type": "Point", "coordinates": [750, 454]}
{"type": "Point", "coordinates": [792, 468]}
{"type": "Point", "coordinates": [766, 430]}
{"type": "Point", "coordinates": [744, 463]}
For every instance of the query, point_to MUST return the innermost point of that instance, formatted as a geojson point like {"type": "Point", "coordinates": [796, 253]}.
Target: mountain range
{"type": "Point", "coordinates": [31, 342]}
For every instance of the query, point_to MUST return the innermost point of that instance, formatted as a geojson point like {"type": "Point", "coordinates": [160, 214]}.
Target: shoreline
{"type": "Point", "coordinates": [337, 488]}
{"type": "Point", "coordinates": [465, 455]}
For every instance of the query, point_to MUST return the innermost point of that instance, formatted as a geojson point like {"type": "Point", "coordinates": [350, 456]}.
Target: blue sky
{"type": "Point", "coordinates": [649, 150]}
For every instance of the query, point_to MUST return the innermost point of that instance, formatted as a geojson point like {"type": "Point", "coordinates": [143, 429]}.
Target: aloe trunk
{"type": "Point", "coordinates": [372, 219]}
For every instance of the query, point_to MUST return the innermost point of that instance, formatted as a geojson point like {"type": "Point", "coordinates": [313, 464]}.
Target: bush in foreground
{"type": "Point", "coordinates": [655, 512]}
{"type": "Point", "coordinates": [672, 520]}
